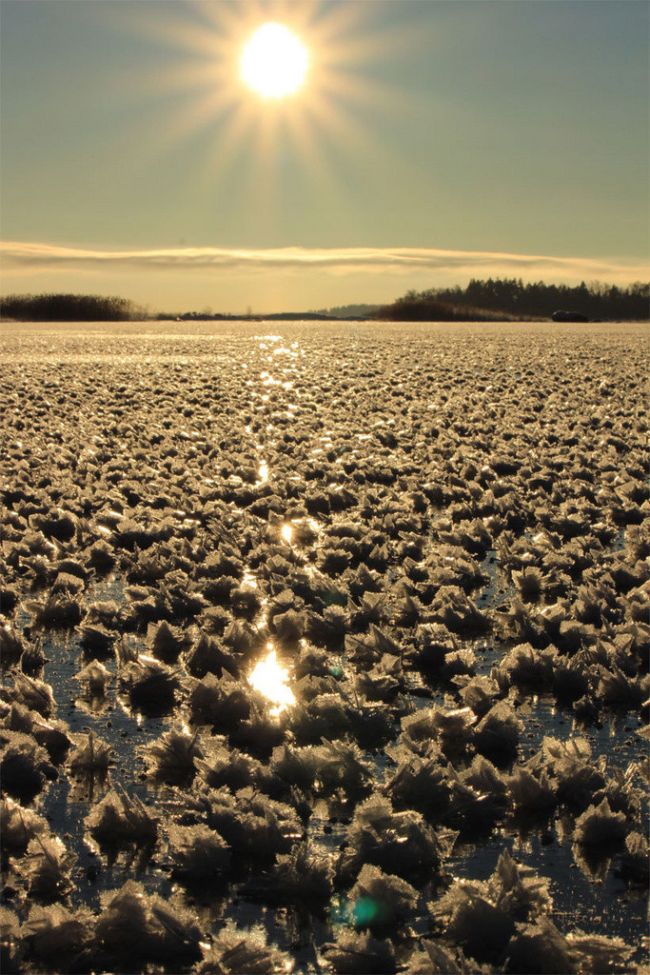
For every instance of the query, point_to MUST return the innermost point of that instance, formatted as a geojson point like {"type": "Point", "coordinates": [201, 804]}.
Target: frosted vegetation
{"type": "Point", "coordinates": [324, 651]}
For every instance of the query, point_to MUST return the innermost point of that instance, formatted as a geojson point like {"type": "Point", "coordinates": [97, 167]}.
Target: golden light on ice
{"type": "Point", "coordinates": [274, 61]}
{"type": "Point", "coordinates": [287, 532]}
{"type": "Point", "coordinates": [269, 677]}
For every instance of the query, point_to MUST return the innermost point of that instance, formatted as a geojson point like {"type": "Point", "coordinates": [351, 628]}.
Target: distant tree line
{"type": "Point", "coordinates": [425, 307]}
{"type": "Point", "coordinates": [493, 299]}
{"type": "Point", "coordinates": [281, 316]}
{"type": "Point", "coordinates": [69, 308]}
{"type": "Point", "coordinates": [511, 298]}
{"type": "Point", "coordinates": [347, 312]}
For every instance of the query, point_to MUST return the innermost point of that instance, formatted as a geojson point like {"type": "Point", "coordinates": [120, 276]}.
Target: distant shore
{"type": "Point", "coordinates": [492, 300]}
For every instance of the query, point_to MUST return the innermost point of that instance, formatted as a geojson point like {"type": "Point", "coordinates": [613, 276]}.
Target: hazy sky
{"type": "Point", "coordinates": [432, 141]}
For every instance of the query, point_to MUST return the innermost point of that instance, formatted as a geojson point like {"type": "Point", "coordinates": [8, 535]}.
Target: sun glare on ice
{"type": "Point", "coordinates": [270, 678]}
{"type": "Point", "coordinates": [274, 61]}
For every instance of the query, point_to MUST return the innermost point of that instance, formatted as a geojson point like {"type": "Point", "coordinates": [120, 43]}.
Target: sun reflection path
{"type": "Point", "coordinates": [270, 678]}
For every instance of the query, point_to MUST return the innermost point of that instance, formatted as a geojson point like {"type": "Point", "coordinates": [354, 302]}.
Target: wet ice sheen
{"type": "Point", "coordinates": [271, 679]}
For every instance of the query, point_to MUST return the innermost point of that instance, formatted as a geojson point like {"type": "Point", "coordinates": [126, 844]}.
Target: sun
{"type": "Point", "coordinates": [274, 61]}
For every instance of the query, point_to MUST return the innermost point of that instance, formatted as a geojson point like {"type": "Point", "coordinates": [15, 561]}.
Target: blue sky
{"type": "Point", "coordinates": [513, 133]}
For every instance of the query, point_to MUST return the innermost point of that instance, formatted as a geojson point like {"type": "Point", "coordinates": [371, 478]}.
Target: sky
{"type": "Point", "coordinates": [431, 142]}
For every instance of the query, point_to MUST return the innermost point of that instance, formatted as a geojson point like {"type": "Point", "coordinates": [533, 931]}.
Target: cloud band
{"type": "Point", "coordinates": [26, 257]}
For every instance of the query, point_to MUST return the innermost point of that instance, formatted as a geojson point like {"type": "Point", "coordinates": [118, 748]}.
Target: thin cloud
{"type": "Point", "coordinates": [25, 257]}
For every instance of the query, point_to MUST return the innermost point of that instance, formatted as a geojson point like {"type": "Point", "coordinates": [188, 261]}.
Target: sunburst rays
{"type": "Point", "coordinates": [208, 107]}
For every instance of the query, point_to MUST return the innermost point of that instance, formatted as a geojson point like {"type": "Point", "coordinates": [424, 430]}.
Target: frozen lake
{"type": "Point", "coordinates": [441, 531]}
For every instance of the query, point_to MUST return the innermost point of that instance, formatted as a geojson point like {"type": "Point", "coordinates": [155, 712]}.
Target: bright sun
{"type": "Point", "coordinates": [274, 61]}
